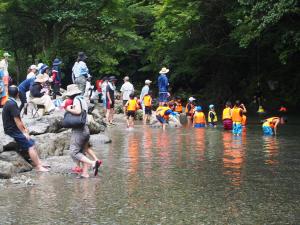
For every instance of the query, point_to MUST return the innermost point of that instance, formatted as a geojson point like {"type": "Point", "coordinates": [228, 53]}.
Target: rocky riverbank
{"type": "Point", "coordinates": [52, 143]}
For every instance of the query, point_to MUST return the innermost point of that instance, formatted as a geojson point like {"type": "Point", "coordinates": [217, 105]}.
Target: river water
{"type": "Point", "coordinates": [177, 176]}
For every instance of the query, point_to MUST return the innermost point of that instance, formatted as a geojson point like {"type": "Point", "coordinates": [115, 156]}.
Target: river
{"type": "Point", "coordinates": [177, 176]}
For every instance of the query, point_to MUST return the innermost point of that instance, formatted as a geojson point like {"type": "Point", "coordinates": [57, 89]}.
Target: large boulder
{"type": "Point", "coordinates": [8, 143]}
{"type": "Point", "coordinates": [52, 144]}
{"type": "Point", "coordinates": [19, 163]}
{"type": "Point", "coordinates": [6, 169]}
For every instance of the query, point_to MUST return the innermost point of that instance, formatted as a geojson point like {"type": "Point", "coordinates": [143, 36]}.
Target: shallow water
{"type": "Point", "coordinates": [180, 176]}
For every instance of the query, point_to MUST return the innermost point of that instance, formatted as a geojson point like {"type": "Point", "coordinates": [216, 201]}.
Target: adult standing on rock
{"type": "Point", "coordinates": [5, 78]}
{"type": "Point", "coordinates": [15, 128]}
{"type": "Point", "coordinates": [80, 72]}
{"type": "Point", "coordinates": [145, 91]}
{"type": "Point", "coordinates": [163, 84]}
{"type": "Point", "coordinates": [110, 99]}
{"type": "Point", "coordinates": [79, 145]}
{"type": "Point", "coordinates": [127, 89]}
{"type": "Point", "coordinates": [56, 77]}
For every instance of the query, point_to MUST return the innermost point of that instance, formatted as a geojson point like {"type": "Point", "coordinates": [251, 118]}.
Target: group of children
{"type": "Point", "coordinates": [233, 117]}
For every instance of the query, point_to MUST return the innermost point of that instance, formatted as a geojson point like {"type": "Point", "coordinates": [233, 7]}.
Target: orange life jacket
{"type": "Point", "coordinates": [236, 115]}
{"type": "Point", "coordinates": [192, 110]}
{"type": "Point", "coordinates": [132, 105]}
{"type": "Point", "coordinates": [178, 107]}
{"type": "Point", "coordinates": [147, 100]}
{"type": "Point", "coordinates": [199, 117]}
{"type": "Point", "coordinates": [226, 113]}
{"type": "Point", "coordinates": [244, 120]}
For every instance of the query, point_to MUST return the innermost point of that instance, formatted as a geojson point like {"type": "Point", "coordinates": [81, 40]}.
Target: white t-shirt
{"type": "Point", "coordinates": [127, 89]}
{"type": "Point", "coordinates": [76, 103]}
{"type": "Point", "coordinates": [4, 66]}
{"type": "Point", "coordinates": [30, 75]}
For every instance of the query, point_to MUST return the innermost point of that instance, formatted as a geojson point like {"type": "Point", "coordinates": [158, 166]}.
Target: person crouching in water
{"type": "Point", "coordinates": [162, 114]}
{"type": "Point", "coordinates": [148, 107]}
{"type": "Point", "coordinates": [79, 145]}
{"type": "Point", "coordinates": [212, 116]}
{"type": "Point", "coordinates": [237, 117]}
{"type": "Point", "coordinates": [199, 118]}
{"type": "Point", "coordinates": [226, 117]}
{"type": "Point", "coordinates": [270, 126]}
{"type": "Point", "coordinates": [131, 107]}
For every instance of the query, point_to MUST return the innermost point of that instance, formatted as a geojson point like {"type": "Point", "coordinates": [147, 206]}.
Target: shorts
{"type": "Point", "coordinates": [79, 141]}
{"type": "Point", "coordinates": [110, 106]}
{"type": "Point", "coordinates": [199, 125]}
{"type": "Point", "coordinates": [237, 128]}
{"type": "Point", "coordinates": [267, 130]}
{"type": "Point", "coordinates": [148, 110]}
{"type": "Point", "coordinates": [161, 119]}
{"type": "Point", "coordinates": [22, 141]}
{"type": "Point", "coordinates": [130, 114]}
{"type": "Point", "coordinates": [227, 124]}
{"type": "Point", "coordinates": [163, 97]}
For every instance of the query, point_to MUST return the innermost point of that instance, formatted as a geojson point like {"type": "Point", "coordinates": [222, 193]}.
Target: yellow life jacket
{"type": "Point", "coordinates": [236, 115]}
{"type": "Point", "coordinates": [161, 110]}
{"type": "Point", "coordinates": [215, 118]}
{"type": "Point", "coordinates": [269, 122]}
{"type": "Point", "coordinates": [132, 105]}
{"type": "Point", "coordinates": [199, 117]}
{"type": "Point", "coordinates": [147, 100]}
{"type": "Point", "coordinates": [226, 114]}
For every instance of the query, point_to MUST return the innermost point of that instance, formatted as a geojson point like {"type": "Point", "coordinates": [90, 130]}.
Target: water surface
{"type": "Point", "coordinates": [180, 176]}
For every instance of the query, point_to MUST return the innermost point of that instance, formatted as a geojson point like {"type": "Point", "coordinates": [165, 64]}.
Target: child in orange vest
{"type": "Point", "coordinates": [131, 108]}
{"type": "Point", "coordinates": [237, 117]}
{"type": "Point", "coordinates": [148, 107]}
{"type": "Point", "coordinates": [199, 118]}
{"type": "Point", "coordinates": [178, 105]}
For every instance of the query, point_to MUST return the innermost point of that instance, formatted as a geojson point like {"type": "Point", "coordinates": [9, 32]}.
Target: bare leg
{"type": "Point", "coordinates": [90, 152]}
{"type": "Point", "coordinates": [36, 160]}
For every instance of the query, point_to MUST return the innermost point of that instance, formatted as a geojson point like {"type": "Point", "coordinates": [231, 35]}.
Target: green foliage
{"type": "Point", "coordinates": [217, 50]}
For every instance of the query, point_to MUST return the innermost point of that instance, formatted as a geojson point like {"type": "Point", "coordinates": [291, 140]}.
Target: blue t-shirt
{"type": "Point", "coordinates": [25, 85]}
{"type": "Point", "coordinates": [163, 83]}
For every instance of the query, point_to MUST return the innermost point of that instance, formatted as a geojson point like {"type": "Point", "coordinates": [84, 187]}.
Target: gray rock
{"type": "Point", "coordinates": [53, 144]}
{"type": "Point", "coordinates": [20, 164]}
{"type": "Point", "coordinates": [8, 143]}
{"type": "Point", "coordinates": [99, 139]}
{"type": "Point", "coordinates": [6, 170]}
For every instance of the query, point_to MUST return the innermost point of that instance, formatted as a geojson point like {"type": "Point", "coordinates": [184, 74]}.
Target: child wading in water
{"type": "Point", "coordinates": [226, 117]}
{"type": "Point", "coordinates": [199, 118]}
{"type": "Point", "coordinates": [148, 107]}
{"type": "Point", "coordinates": [237, 117]}
{"type": "Point", "coordinates": [162, 115]}
{"type": "Point", "coordinates": [212, 116]}
{"type": "Point", "coordinates": [131, 108]}
{"type": "Point", "coordinates": [270, 125]}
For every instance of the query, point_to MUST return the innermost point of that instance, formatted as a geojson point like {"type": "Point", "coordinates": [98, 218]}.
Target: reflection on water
{"type": "Point", "coordinates": [271, 148]}
{"type": "Point", "coordinates": [178, 176]}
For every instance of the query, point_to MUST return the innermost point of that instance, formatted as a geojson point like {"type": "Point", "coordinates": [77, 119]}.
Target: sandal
{"type": "Point", "coordinates": [96, 168]}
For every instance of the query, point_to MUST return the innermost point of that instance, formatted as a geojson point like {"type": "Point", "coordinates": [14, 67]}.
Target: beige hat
{"type": "Point", "coordinates": [6, 54]}
{"type": "Point", "coordinates": [164, 70]}
{"type": "Point", "coordinates": [126, 78]}
{"type": "Point", "coordinates": [42, 78]}
{"type": "Point", "coordinates": [148, 81]}
{"type": "Point", "coordinates": [33, 67]}
{"type": "Point", "coordinates": [72, 89]}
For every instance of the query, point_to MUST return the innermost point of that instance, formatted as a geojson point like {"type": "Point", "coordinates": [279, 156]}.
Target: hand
{"type": "Point", "coordinates": [110, 102]}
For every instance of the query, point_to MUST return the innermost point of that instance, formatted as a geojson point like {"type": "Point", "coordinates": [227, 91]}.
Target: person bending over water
{"type": "Point", "coordinates": [15, 128]}
{"type": "Point", "coordinates": [270, 126]}
{"type": "Point", "coordinates": [79, 145]}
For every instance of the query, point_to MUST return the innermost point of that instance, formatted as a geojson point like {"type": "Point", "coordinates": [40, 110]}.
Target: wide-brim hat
{"type": "Point", "coordinates": [6, 54]}
{"type": "Point", "coordinates": [148, 81]}
{"type": "Point", "coordinates": [72, 89]}
{"type": "Point", "coordinates": [164, 70]}
{"type": "Point", "coordinates": [42, 78]}
{"type": "Point", "coordinates": [43, 68]}
{"type": "Point", "coordinates": [56, 62]}
{"type": "Point", "coordinates": [112, 78]}
{"type": "Point", "coordinates": [126, 78]}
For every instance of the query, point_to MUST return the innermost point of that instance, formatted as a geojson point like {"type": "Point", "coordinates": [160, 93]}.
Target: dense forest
{"type": "Point", "coordinates": [215, 49]}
